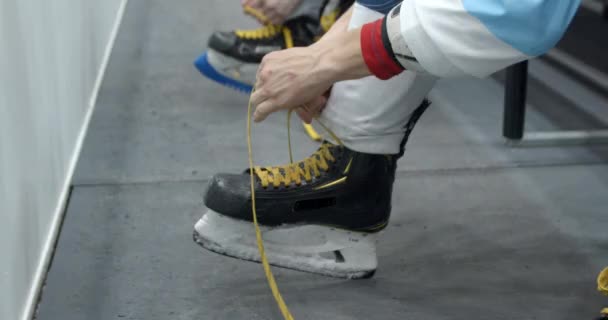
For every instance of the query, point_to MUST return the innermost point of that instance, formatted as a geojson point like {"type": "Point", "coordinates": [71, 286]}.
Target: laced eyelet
{"type": "Point", "coordinates": [307, 170]}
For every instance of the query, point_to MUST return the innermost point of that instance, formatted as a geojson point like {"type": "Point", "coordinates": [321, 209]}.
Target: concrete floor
{"type": "Point", "coordinates": [479, 230]}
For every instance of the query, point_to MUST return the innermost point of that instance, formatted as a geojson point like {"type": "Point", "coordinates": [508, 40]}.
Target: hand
{"type": "Point", "coordinates": [275, 10]}
{"type": "Point", "coordinates": [311, 110]}
{"type": "Point", "coordinates": [290, 79]}
{"type": "Point", "coordinates": [297, 78]}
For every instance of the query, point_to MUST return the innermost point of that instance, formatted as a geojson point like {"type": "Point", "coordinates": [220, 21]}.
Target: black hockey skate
{"type": "Point", "coordinates": [234, 56]}
{"type": "Point", "coordinates": [319, 215]}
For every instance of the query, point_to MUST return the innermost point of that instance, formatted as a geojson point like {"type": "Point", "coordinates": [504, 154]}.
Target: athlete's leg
{"type": "Point", "coordinates": [369, 114]}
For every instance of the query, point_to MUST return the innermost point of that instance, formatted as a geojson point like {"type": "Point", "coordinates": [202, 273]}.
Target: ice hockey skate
{"type": "Point", "coordinates": [233, 57]}
{"type": "Point", "coordinates": [320, 215]}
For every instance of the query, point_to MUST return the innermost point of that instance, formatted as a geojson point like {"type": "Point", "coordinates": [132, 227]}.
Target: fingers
{"type": "Point", "coordinates": [306, 112]}
{"type": "Point", "coordinates": [269, 11]}
{"type": "Point", "coordinates": [304, 115]}
{"type": "Point", "coordinates": [275, 17]}
{"type": "Point", "coordinates": [317, 105]}
{"type": "Point", "coordinates": [272, 12]}
{"type": "Point", "coordinates": [264, 109]}
{"type": "Point", "coordinates": [259, 96]}
{"type": "Point", "coordinates": [312, 109]}
{"type": "Point", "coordinates": [264, 72]}
{"type": "Point", "coordinates": [256, 4]}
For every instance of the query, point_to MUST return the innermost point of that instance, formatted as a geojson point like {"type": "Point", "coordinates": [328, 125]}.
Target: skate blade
{"type": "Point", "coordinates": [315, 249]}
{"type": "Point", "coordinates": [227, 71]}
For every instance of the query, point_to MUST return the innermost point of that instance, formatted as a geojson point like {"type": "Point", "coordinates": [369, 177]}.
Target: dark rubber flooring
{"type": "Point", "coordinates": [479, 230]}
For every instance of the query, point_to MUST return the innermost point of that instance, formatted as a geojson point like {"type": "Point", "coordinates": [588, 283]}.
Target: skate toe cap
{"type": "Point", "coordinates": [229, 194]}
{"type": "Point", "coordinates": [222, 41]}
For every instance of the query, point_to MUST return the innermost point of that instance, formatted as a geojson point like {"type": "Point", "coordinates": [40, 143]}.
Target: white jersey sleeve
{"type": "Point", "coordinates": [450, 38]}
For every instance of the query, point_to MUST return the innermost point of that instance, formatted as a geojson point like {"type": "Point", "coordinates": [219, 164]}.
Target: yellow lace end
{"type": "Point", "coordinates": [312, 133]}
{"type": "Point", "coordinates": [267, 271]}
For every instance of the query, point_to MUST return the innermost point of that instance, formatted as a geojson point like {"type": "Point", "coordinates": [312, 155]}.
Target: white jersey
{"type": "Point", "coordinates": [473, 37]}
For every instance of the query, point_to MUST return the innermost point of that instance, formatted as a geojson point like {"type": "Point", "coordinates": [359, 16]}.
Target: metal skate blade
{"type": "Point", "coordinates": [332, 252]}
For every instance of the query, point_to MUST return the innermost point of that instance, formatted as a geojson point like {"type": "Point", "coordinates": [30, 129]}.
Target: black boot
{"type": "Point", "coordinates": [320, 214]}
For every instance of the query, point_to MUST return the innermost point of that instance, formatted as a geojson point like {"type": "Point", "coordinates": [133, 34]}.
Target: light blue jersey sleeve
{"type": "Point", "coordinates": [479, 37]}
{"type": "Point", "coordinates": [530, 26]}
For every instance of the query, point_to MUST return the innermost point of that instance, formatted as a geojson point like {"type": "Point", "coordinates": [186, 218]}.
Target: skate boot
{"type": "Point", "coordinates": [233, 57]}
{"type": "Point", "coordinates": [319, 215]}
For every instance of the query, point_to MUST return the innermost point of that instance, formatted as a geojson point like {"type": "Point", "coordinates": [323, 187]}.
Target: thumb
{"type": "Point", "coordinates": [304, 115]}
{"type": "Point", "coordinates": [317, 105]}
{"type": "Point", "coordinates": [263, 110]}
{"type": "Point", "coordinates": [309, 111]}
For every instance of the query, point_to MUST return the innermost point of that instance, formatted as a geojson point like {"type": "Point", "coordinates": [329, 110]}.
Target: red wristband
{"type": "Point", "coordinates": [376, 57]}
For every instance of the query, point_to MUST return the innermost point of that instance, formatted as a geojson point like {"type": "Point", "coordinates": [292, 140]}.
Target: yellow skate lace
{"type": "Point", "coordinates": [306, 169]}
{"type": "Point", "coordinates": [294, 172]}
{"type": "Point", "coordinates": [329, 19]}
{"type": "Point", "coordinates": [274, 175]}
{"type": "Point", "coordinates": [268, 31]}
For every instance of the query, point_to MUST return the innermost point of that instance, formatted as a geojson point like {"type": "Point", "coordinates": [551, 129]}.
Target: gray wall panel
{"type": "Point", "coordinates": [51, 53]}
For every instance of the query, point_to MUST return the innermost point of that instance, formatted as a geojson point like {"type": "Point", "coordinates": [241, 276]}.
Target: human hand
{"type": "Point", "coordinates": [311, 110]}
{"type": "Point", "coordinates": [297, 78]}
{"type": "Point", "coordinates": [276, 11]}
{"type": "Point", "coordinates": [291, 79]}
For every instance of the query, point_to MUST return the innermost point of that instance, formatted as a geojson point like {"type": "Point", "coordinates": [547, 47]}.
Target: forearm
{"type": "Point", "coordinates": [448, 43]}
{"type": "Point", "coordinates": [339, 57]}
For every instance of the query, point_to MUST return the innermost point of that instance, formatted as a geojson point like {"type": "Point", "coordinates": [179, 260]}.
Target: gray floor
{"type": "Point", "coordinates": [479, 230]}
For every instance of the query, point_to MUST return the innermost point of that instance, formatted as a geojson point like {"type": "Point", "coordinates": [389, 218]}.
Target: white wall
{"type": "Point", "coordinates": [52, 56]}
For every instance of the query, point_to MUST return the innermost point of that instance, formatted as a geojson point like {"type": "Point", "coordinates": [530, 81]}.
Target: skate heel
{"type": "Point", "coordinates": [361, 255]}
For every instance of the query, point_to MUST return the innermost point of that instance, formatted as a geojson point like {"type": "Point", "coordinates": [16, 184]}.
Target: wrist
{"type": "Point", "coordinates": [340, 58]}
